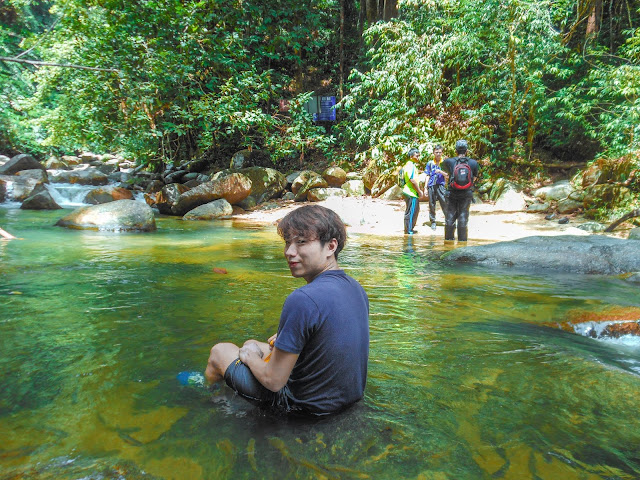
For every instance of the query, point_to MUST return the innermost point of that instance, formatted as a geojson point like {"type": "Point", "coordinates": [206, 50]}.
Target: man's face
{"type": "Point", "coordinates": [307, 258]}
{"type": "Point", "coordinates": [437, 155]}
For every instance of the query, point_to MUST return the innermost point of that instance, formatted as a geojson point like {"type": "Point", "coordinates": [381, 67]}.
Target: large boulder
{"type": "Point", "coordinates": [89, 157]}
{"type": "Point", "coordinates": [266, 183]}
{"type": "Point", "coordinates": [557, 191]}
{"type": "Point", "coordinates": [166, 197]}
{"type": "Point", "coordinates": [306, 181]}
{"type": "Point", "coordinates": [303, 179]}
{"type": "Point", "coordinates": [80, 176]}
{"type": "Point", "coordinates": [20, 162]}
{"type": "Point", "coordinates": [71, 160]}
{"type": "Point", "coordinates": [119, 216]}
{"type": "Point", "coordinates": [538, 208]}
{"type": "Point", "coordinates": [35, 173]}
{"type": "Point", "coordinates": [54, 163]}
{"type": "Point", "coordinates": [510, 199]}
{"type": "Point", "coordinates": [334, 176]}
{"type": "Point", "coordinates": [354, 188]}
{"type": "Point", "coordinates": [320, 194]}
{"type": "Point", "coordinates": [384, 182]}
{"type": "Point", "coordinates": [210, 211]}
{"type": "Point", "coordinates": [567, 205]}
{"type": "Point", "coordinates": [370, 177]}
{"type": "Point", "coordinates": [40, 200]}
{"type": "Point", "coordinates": [18, 188]}
{"type": "Point", "coordinates": [394, 193]}
{"type": "Point", "coordinates": [233, 188]}
{"type": "Point", "coordinates": [609, 194]}
{"type": "Point", "coordinates": [107, 194]}
{"type": "Point", "coordinates": [589, 254]}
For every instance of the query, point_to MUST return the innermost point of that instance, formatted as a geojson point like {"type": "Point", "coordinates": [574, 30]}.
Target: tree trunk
{"type": "Point", "coordinates": [390, 10]}
{"type": "Point", "coordinates": [631, 214]}
{"type": "Point", "coordinates": [342, 22]}
{"type": "Point", "coordinates": [595, 18]}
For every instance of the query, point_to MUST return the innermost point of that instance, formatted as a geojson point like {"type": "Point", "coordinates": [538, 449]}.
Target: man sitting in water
{"type": "Point", "coordinates": [317, 362]}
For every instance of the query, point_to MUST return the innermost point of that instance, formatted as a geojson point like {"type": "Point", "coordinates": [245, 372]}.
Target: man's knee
{"type": "Point", "coordinates": [222, 354]}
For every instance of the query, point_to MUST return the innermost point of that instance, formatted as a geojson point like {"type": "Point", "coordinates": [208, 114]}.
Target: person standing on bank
{"type": "Point", "coordinates": [316, 364]}
{"type": "Point", "coordinates": [462, 171]}
{"type": "Point", "coordinates": [436, 185]}
{"type": "Point", "coordinates": [411, 192]}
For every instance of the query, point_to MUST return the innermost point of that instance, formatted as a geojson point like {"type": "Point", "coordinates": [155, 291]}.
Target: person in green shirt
{"type": "Point", "coordinates": [411, 192]}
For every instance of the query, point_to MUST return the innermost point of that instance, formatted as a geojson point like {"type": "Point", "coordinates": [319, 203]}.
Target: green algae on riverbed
{"type": "Point", "coordinates": [466, 380]}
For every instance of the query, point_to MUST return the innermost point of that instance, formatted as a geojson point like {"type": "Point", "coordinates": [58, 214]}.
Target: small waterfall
{"type": "Point", "coordinates": [69, 194]}
{"type": "Point", "coordinates": [619, 331]}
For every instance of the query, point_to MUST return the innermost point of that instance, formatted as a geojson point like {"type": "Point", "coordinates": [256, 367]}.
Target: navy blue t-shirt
{"type": "Point", "coordinates": [326, 322]}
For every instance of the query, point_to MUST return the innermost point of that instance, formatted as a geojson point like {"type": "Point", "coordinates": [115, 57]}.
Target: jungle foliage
{"type": "Point", "coordinates": [173, 80]}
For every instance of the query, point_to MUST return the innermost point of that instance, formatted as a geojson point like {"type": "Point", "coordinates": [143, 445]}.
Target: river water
{"type": "Point", "coordinates": [466, 378]}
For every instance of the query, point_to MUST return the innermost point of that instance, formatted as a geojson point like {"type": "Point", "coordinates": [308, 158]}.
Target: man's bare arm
{"type": "Point", "coordinates": [273, 374]}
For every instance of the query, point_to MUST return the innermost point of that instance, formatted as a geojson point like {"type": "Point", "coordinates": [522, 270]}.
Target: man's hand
{"type": "Point", "coordinates": [249, 350]}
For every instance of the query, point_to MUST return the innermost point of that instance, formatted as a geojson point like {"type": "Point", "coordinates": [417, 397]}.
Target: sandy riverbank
{"type": "Point", "coordinates": [366, 215]}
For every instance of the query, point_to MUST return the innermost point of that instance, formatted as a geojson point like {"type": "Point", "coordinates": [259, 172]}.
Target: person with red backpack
{"type": "Point", "coordinates": [462, 171]}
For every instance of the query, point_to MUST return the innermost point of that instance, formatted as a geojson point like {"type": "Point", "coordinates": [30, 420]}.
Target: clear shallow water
{"type": "Point", "coordinates": [466, 381]}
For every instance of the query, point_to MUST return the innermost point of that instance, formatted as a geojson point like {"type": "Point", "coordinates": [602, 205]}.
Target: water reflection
{"type": "Point", "coordinates": [466, 378]}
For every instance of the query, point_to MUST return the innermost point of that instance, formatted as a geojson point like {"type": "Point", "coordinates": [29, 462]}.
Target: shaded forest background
{"type": "Point", "coordinates": [171, 81]}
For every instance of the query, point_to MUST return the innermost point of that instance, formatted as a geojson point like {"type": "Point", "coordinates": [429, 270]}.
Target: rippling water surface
{"type": "Point", "coordinates": [466, 378]}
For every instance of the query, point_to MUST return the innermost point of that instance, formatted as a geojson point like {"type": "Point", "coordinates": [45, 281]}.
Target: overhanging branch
{"type": "Point", "coordinates": [63, 65]}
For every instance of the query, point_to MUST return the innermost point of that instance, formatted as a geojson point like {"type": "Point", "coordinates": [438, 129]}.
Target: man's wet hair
{"type": "Point", "coordinates": [438, 147]}
{"type": "Point", "coordinates": [412, 152]}
{"type": "Point", "coordinates": [314, 222]}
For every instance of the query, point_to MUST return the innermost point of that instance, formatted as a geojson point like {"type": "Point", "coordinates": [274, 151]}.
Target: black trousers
{"type": "Point", "coordinates": [457, 210]}
{"type": "Point", "coordinates": [412, 208]}
{"type": "Point", "coordinates": [436, 193]}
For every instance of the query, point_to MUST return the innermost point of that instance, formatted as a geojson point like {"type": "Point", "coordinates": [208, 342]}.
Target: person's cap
{"type": "Point", "coordinates": [462, 145]}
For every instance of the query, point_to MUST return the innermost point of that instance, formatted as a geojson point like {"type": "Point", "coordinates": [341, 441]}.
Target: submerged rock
{"type": "Point", "coordinates": [119, 216]}
{"type": "Point", "coordinates": [592, 254]}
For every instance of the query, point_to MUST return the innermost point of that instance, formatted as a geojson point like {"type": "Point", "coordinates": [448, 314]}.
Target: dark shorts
{"type": "Point", "coordinates": [239, 377]}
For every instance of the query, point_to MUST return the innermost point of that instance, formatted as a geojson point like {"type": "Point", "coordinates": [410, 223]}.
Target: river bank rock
{"type": "Point", "coordinates": [118, 216]}
{"type": "Point", "coordinates": [40, 200]}
{"type": "Point", "coordinates": [107, 194]}
{"type": "Point", "coordinates": [20, 162]}
{"type": "Point", "coordinates": [233, 188]}
{"type": "Point", "coordinates": [555, 192]}
{"type": "Point", "coordinates": [18, 188]}
{"type": "Point", "coordinates": [306, 181]}
{"type": "Point", "coordinates": [35, 173]}
{"type": "Point", "coordinates": [334, 176]}
{"type": "Point", "coordinates": [320, 194]}
{"type": "Point", "coordinates": [210, 211]}
{"type": "Point", "coordinates": [81, 176]}
{"type": "Point", "coordinates": [266, 183]}
{"type": "Point", "coordinates": [166, 197]}
{"type": "Point", "coordinates": [591, 254]}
